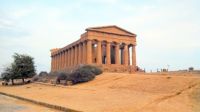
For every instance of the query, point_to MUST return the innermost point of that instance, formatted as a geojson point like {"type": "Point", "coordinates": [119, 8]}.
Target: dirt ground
{"type": "Point", "coordinates": [117, 92]}
{"type": "Point", "coordinates": [8, 104]}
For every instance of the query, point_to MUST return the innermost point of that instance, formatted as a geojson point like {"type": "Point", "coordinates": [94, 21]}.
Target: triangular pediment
{"type": "Point", "coordinates": [111, 29]}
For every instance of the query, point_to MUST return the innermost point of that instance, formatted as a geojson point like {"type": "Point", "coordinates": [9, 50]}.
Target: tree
{"type": "Point", "coordinates": [22, 67]}
{"type": "Point", "coordinates": [7, 75]}
{"type": "Point", "coordinates": [191, 68]}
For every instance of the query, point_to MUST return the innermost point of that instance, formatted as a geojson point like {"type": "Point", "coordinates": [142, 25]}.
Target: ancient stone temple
{"type": "Point", "coordinates": [109, 47]}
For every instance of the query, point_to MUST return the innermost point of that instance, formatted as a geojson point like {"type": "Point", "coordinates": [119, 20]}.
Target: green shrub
{"type": "Point", "coordinates": [191, 68]}
{"type": "Point", "coordinates": [81, 75]}
{"type": "Point", "coordinates": [95, 70]}
{"type": "Point", "coordinates": [36, 78]}
{"type": "Point", "coordinates": [62, 76]}
{"type": "Point", "coordinates": [43, 73]}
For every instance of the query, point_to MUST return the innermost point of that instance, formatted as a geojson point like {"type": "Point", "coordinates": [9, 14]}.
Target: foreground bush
{"type": "Point", "coordinates": [95, 70]}
{"type": "Point", "coordinates": [43, 76]}
{"type": "Point", "coordinates": [43, 73]}
{"type": "Point", "coordinates": [36, 78]}
{"type": "Point", "coordinates": [81, 75]}
{"type": "Point", "coordinates": [84, 74]}
{"type": "Point", "coordinates": [62, 76]}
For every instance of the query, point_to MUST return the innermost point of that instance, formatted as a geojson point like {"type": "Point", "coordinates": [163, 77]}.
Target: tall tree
{"type": "Point", "coordinates": [22, 67]}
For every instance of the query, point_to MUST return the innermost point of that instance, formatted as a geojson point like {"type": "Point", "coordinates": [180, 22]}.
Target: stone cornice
{"type": "Point", "coordinates": [111, 33]}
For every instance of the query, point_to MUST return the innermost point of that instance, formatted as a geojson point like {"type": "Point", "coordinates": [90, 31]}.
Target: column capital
{"type": "Point", "coordinates": [134, 45]}
{"type": "Point", "coordinates": [107, 43]}
{"type": "Point", "coordinates": [77, 45]}
{"type": "Point", "coordinates": [126, 44]}
{"type": "Point", "coordinates": [117, 43]}
{"type": "Point", "coordinates": [88, 40]}
{"type": "Point", "coordinates": [99, 40]}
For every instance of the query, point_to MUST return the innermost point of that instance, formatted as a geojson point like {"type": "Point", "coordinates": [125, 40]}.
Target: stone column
{"type": "Point", "coordinates": [99, 53]}
{"type": "Point", "coordinates": [89, 52]}
{"type": "Point", "coordinates": [133, 56]}
{"type": "Point", "coordinates": [108, 53]}
{"type": "Point", "coordinates": [65, 62]}
{"type": "Point", "coordinates": [84, 53]}
{"type": "Point", "coordinates": [64, 53]}
{"type": "Point", "coordinates": [55, 57]}
{"type": "Point", "coordinates": [51, 63]}
{"type": "Point", "coordinates": [117, 54]}
{"type": "Point", "coordinates": [69, 57]}
{"type": "Point", "coordinates": [54, 63]}
{"type": "Point", "coordinates": [62, 60]}
{"type": "Point", "coordinates": [129, 62]}
{"type": "Point", "coordinates": [79, 53]}
{"type": "Point", "coordinates": [75, 55]}
{"type": "Point", "coordinates": [125, 54]}
{"type": "Point", "coordinates": [58, 61]}
{"type": "Point", "coordinates": [65, 59]}
{"type": "Point", "coordinates": [72, 56]}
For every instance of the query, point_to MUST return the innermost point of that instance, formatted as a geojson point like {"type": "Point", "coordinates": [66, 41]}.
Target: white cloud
{"type": "Point", "coordinates": [104, 1]}
{"type": "Point", "coordinates": [21, 13]}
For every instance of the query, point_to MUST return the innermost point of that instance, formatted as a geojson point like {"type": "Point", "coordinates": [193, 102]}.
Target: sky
{"type": "Point", "coordinates": [168, 31]}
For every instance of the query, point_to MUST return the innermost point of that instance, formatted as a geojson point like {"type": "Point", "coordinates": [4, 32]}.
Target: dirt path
{"type": "Point", "coordinates": [118, 93]}
{"type": "Point", "coordinates": [8, 104]}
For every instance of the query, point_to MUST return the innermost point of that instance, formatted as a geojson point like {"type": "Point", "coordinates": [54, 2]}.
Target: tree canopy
{"type": "Point", "coordinates": [22, 67]}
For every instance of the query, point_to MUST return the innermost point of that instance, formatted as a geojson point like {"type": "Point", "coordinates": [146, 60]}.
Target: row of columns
{"type": "Point", "coordinates": [82, 54]}
{"type": "Point", "coordinates": [69, 57]}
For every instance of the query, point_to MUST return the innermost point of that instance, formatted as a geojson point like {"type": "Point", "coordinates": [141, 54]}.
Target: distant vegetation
{"type": "Point", "coordinates": [22, 68]}
{"type": "Point", "coordinates": [191, 68]}
{"type": "Point", "coordinates": [81, 74]}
